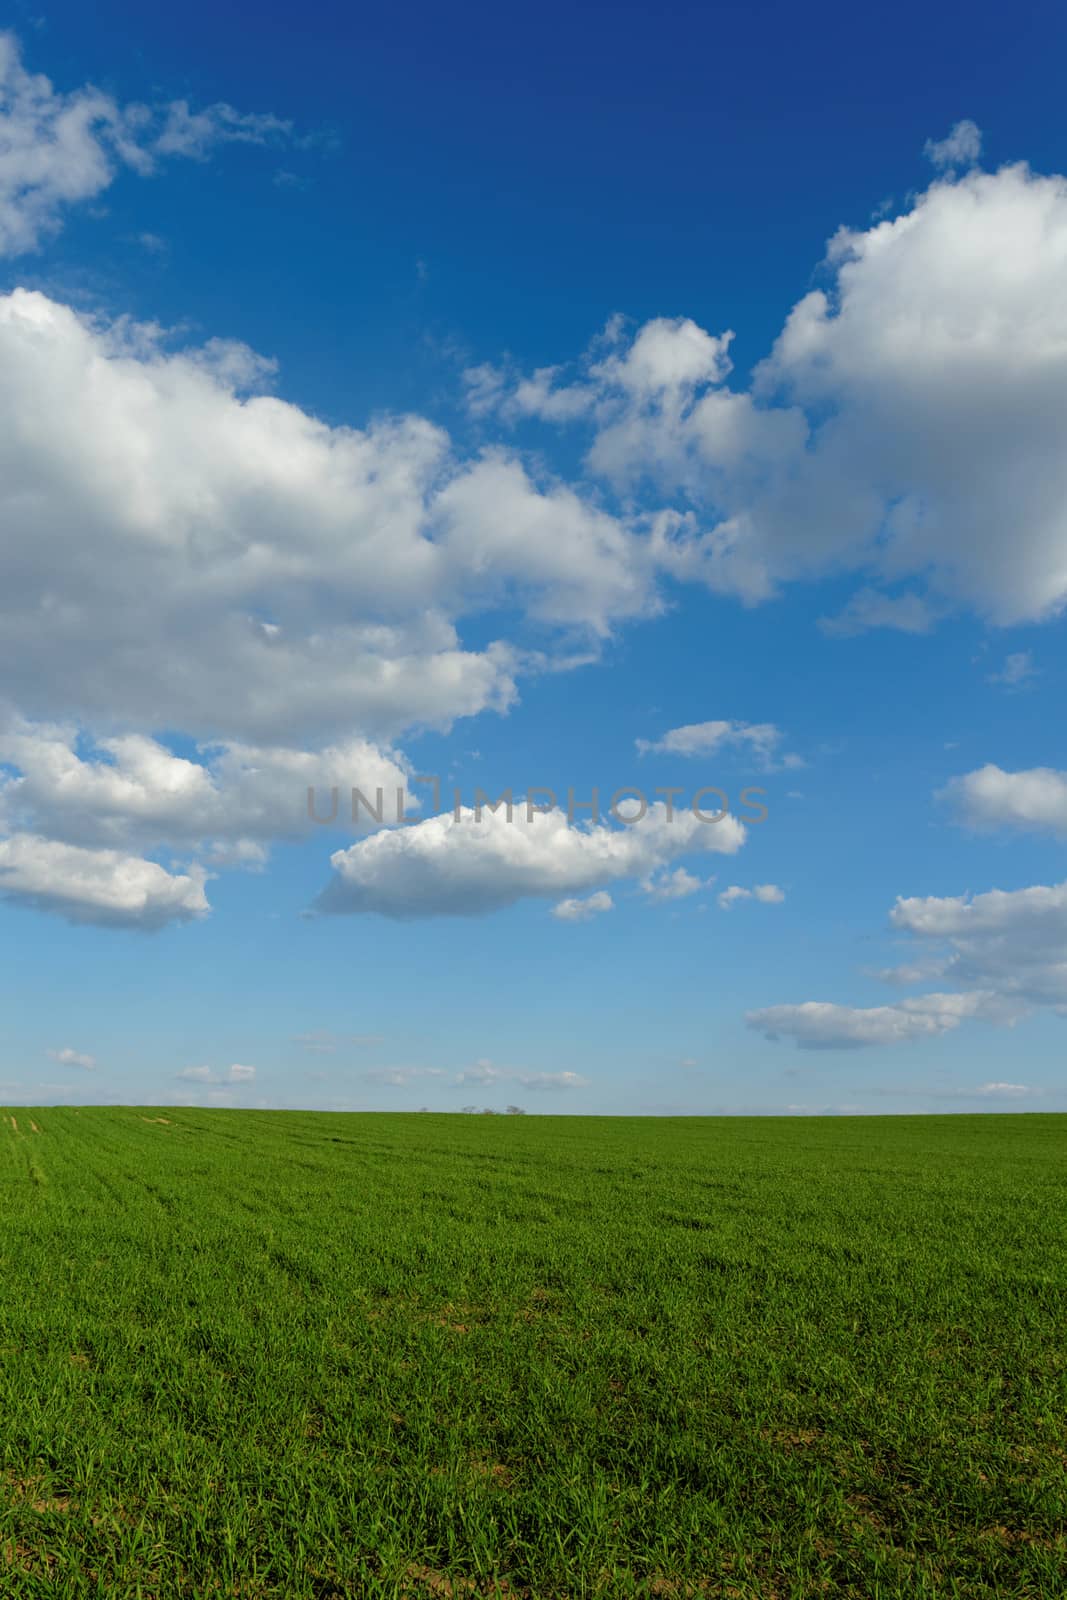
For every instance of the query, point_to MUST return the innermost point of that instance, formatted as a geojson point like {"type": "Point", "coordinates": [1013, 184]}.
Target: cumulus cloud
{"type": "Point", "coordinates": [74, 1058]}
{"type": "Point", "coordinates": [667, 359]}
{"type": "Point", "coordinates": [319, 572]}
{"type": "Point", "coordinates": [63, 149]}
{"type": "Point", "coordinates": [291, 561]}
{"type": "Point", "coordinates": [104, 887]}
{"type": "Point", "coordinates": [908, 414]}
{"type": "Point", "coordinates": [132, 790]}
{"type": "Point", "coordinates": [468, 866]}
{"type": "Point", "coordinates": [160, 510]}
{"type": "Point", "coordinates": [992, 798]}
{"type": "Point", "coordinates": [1005, 951]}
{"type": "Point", "coordinates": [571, 563]}
{"type": "Point", "coordinates": [1013, 942]}
{"type": "Point", "coordinates": [129, 793]}
{"type": "Point", "coordinates": [676, 885]}
{"type": "Point", "coordinates": [583, 910]}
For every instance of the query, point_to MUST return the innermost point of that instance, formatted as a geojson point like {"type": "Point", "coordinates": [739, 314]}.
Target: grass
{"type": "Point", "coordinates": [295, 1355]}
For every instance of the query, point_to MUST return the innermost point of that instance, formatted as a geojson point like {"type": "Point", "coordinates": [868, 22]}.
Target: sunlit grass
{"type": "Point", "coordinates": [296, 1355]}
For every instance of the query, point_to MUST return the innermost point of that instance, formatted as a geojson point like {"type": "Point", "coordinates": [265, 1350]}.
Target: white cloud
{"type": "Point", "coordinates": [445, 867]}
{"type": "Point", "coordinates": [572, 563]}
{"type": "Point", "coordinates": [130, 790]}
{"type": "Point", "coordinates": [730, 896]}
{"type": "Point", "coordinates": [765, 893]}
{"type": "Point", "coordinates": [97, 886]}
{"type": "Point", "coordinates": [583, 910]}
{"type": "Point", "coordinates": [59, 150]}
{"type": "Point", "coordinates": [819, 1025]}
{"type": "Point", "coordinates": [1013, 942]}
{"type": "Point", "coordinates": [1007, 1091]}
{"type": "Point", "coordinates": [664, 363]}
{"type": "Point", "coordinates": [129, 793]}
{"type": "Point", "coordinates": [992, 798]}
{"type": "Point", "coordinates": [230, 1075]}
{"type": "Point", "coordinates": [307, 568]}
{"type": "Point", "coordinates": [676, 885]}
{"type": "Point", "coordinates": [158, 515]}
{"type": "Point", "coordinates": [1005, 951]}
{"type": "Point", "coordinates": [908, 415]}
{"type": "Point", "coordinates": [668, 356]}
{"type": "Point", "coordinates": [74, 1058]}
{"type": "Point", "coordinates": [319, 573]}
{"type": "Point", "coordinates": [961, 148]}
{"type": "Point", "coordinates": [760, 740]}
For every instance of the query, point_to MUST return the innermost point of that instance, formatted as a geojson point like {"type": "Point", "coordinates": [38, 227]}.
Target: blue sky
{"type": "Point", "coordinates": [632, 398]}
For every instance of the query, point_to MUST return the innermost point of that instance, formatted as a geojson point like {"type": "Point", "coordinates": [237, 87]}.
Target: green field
{"type": "Point", "coordinates": [293, 1354]}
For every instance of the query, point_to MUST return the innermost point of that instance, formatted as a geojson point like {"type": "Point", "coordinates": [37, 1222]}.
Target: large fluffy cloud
{"type": "Point", "coordinates": [75, 812]}
{"type": "Point", "coordinates": [466, 866]}
{"type": "Point", "coordinates": [165, 533]}
{"type": "Point", "coordinates": [131, 790]}
{"type": "Point", "coordinates": [992, 798]}
{"type": "Point", "coordinates": [99, 886]}
{"type": "Point", "coordinates": [908, 423]}
{"type": "Point", "coordinates": [1013, 942]}
{"type": "Point", "coordinates": [178, 552]}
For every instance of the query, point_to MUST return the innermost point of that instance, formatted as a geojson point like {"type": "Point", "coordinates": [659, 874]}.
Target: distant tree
{"type": "Point", "coordinates": [487, 1111]}
{"type": "Point", "coordinates": [468, 1109]}
{"type": "Point", "coordinates": [516, 1111]}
